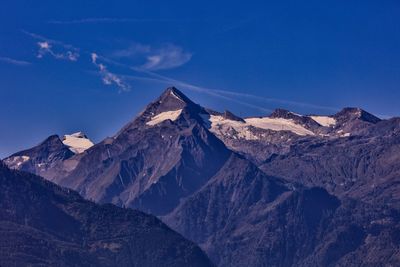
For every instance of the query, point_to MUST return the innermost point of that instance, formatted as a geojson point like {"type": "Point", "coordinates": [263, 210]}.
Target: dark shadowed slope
{"type": "Point", "coordinates": [244, 218]}
{"type": "Point", "coordinates": [42, 224]}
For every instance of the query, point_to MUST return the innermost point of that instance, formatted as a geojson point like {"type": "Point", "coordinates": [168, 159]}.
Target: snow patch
{"type": "Point", "coordinates": [341, 133]}
{"type": "Point", "coordinates": [167, 115]}
{"type": "Point", "coordinates": [77, 142]}
{"type": "Point", "coordinates": [324, 120]}
{"type": "Point", "coordinates": [25, 158]}
{"type": "Point", "coordinates": [238, 129]}
{"type": "Point", "coordinates": [296, 114]}
{"type": "Point", "coordinates": [17, 161]}
{"type": "Point", "coordinates": [176, 96]}
{"type": "Point", "coordinates": [278, 124]}
{"type": "Point", "coordinates": [21, 159]}
{"type": "Point", "coordinates": [223, 126]}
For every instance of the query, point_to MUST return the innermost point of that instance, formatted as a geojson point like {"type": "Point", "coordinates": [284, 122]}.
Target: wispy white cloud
{"type": "Point", "coordinates": [108, 77]}
{"type": "Point", "coordinates": [45, 48]}
{"type": "Point", "coordinates": [55, 48]}
{"type": "Point", "coordinates": [70, 52]}
{"type": "Point", "coordinates": [132, 51]}
{"type": "Point", "coordinates": [51, 41]}
{"type": "Point", "coordinates": [167, 56]}
{"type": "Point", "coordinates": [16, 62]}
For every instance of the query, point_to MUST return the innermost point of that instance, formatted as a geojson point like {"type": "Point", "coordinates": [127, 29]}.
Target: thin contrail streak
{"type": "Point", "coordinates": [116, 20]}
{"type": "Point", "coordinates": [223, 92]}
{"type": "Point", "coordinates": [185, 85]}
{"type": "Point", "coordinates": [232, 93]}
{"type": "Point", "coordinates": [13, 61]}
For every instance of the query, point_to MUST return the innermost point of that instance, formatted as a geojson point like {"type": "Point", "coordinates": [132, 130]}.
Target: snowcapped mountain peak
{"type": "Point", "coordinates": [170, 100]}
{"type": "Point", "coordinates": [77, 142]}
{"type": "Point", "coordinates": [79, 135]}
{"type": "Point", "coordinates": [170, 105]}
{"type": "Point", "coordinates": [284, 114]}
{"type": "Point", "coordinates": [299, 119]}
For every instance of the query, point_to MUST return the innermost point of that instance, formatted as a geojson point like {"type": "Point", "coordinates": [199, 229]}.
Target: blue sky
{"type": "Point", "coordinates": [67, 66]}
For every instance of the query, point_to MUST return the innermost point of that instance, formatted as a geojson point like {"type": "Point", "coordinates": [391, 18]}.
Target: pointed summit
{"type": "Point", "coordinates": [39, 157]}
{"type": "Point", "coordinates": [300, 119]}
{"type": "Point", "coordinates": [284, 114]}
{"type": "Point", "coordinates": [174, 93]}
{"type": "Point", "coordinates": [172, 99]}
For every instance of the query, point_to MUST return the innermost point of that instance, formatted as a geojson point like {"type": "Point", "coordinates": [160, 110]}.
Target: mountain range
{"type": "Point", "coordinates": [279, 190]}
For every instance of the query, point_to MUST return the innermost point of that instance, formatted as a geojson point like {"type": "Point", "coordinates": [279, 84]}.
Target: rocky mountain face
{"type": "Point", "coordinates": [352, 153]}
{"type": "Point", "coordinates": [279, 190]}
{"type": "Point", "coordinates": [162, 156]}
{"type": "Point", "coordinates": [263, 138]}
{"type": "Point", "coordinates": [42, 158]}
{"type": "Point", "coordinates": [42, 224]}
{"type": "Point", "coordinates": [364, 167]}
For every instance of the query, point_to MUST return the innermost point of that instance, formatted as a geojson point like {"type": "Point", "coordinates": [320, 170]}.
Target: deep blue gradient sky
{"type": "Point", "coordinates": [67, 66]}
